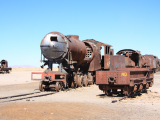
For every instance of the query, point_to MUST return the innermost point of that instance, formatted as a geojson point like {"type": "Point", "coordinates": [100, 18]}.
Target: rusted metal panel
{"type": "Point", "coordinates": [117, 61]}
{"type": "Point", "coordinates": [123, 78]}
{"type": "Point", "coordinates": [95, 60]}
{"type": "Point", "coordinates": [117, 77]}
{"type": "Point", "coordinates": [150, 61]}
{"type": "Point", "coordinates": [77, 48]}
{"type": "Point", "coordinates": [111, 52]}
{"type": "Point", "coordinates": [97, 43]}
{"type": "Point", "coordinates": [51, 76]}
{"type": "Point", "coordinates": [129, 62]}
{"type": "Point", "coordinates": [101, 77]}
{"type": "Point", "coordinates": [95, 63]}
{"type": "Point", "coordinates": [106, 61]}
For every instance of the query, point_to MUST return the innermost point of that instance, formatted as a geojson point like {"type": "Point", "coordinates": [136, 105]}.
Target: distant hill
{"type": "Point", "coordinates": [22, 66]}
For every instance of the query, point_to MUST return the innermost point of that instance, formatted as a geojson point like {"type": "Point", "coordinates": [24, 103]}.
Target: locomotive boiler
{"type": "Point", "coordinates": [78, 61]}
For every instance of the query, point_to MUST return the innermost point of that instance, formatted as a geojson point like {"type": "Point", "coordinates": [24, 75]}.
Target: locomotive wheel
{"type": "Point", "coordinates": [73, 84]}
{"type": "Point", "coordinates": [62, 86]}
{"type": "Point", "coordinates": [140, 87]}
{"type": "Point", "coordinates": [79, 81]}
{"type": "Point", "coordinates": [90, 79]}
{"type": "Point", "coordinates": [107, 92]}
{"type": "Point", "coordinates": [75, 81]}
{"type": "Point", "coordinates": [85, 81]}
{"type": "Point", "coordinates": [147, 85]}
{"type": "Point", "coordinates": [40, 86]}
{"type": "Point", "coordinates": [135, 88]}
{"type": "Point", "coordinates": [114, 91]}
{"type": "Point", "coordinates": [151, 84]}
{"type": "Point", "coordinates": [58, 86]}
{"type": "Point", "coordinates": [127, 91]}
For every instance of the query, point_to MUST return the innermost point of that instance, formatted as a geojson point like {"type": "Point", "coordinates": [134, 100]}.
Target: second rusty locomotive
{"type": "Point", "coordinates": [129, 71]}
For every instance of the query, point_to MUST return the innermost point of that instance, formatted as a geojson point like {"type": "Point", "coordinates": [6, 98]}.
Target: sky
{"type": "Point", "coordinates": [124, 24]}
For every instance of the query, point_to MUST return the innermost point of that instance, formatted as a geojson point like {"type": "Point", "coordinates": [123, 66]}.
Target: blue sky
{"type": "Point", "coordinates": [124, 24]}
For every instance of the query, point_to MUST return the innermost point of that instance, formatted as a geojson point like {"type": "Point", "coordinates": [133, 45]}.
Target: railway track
{"type": "Point", "coordinates": [130, 96]}
{"type": "Point", "coordinates": [24, 96]}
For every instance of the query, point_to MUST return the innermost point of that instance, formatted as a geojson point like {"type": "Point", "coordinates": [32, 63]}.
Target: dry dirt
{"type": "Point", "coordinates": [86, 103]}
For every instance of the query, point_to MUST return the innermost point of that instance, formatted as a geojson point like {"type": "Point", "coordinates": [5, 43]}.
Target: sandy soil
{"type": "Point", "coordinates": [20, 75]}
{"type": "Point", "coordinates": [86, 103]}
{"type": "Point", "coordinates": [29, 69]}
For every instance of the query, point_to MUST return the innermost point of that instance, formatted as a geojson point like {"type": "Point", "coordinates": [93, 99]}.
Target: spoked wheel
{"type": "Point", "coordinates": [41, 86]}
{"type": "Point", "coordinates": [79, 81]}
{"type": "Point", "coordinates": [85, 81]}
{"type": "Point", "coordinates": [58, 86]}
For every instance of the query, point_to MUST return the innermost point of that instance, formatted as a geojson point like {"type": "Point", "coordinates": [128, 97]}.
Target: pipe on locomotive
{"type": "Point", "coordinates": [56, 47]}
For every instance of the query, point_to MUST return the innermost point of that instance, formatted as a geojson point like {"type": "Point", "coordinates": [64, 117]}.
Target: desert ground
{"type": "Point", "coordinates": [85, 103]}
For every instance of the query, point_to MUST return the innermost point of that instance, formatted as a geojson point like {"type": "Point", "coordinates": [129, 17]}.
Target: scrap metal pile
{"type": "Point", "coordinates": [4, 67]}
{"type": "Point", "coordinates": [81, 64]}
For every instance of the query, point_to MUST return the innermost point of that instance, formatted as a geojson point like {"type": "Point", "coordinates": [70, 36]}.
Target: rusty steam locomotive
{"type": "Point", "coordinates": [129, 71]}
{"type": "Point", "coordinates": [78, 61]}
{"type": "Point", "coordinates": [81, 64]}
